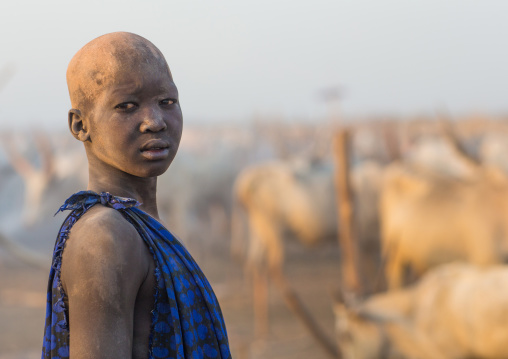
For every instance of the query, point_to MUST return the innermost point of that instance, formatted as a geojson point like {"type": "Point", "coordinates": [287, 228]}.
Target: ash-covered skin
{"type": "Point", "coordinates": [101, 61]}
{"type": "Point", "coordinates": [123, 96]}
{"type": "Point", "coordinates": [125, 109]}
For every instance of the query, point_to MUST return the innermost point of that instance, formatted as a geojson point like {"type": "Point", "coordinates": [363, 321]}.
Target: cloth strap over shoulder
{"type": "Point", "coordinates": [83, 199]}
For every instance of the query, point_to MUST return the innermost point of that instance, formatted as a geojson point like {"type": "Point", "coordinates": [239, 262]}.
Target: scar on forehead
{"type": "Point", "coordinates": [99, 61]}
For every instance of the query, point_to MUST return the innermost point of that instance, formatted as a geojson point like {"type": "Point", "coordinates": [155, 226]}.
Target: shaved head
{"type": "Point", "coordinates": [102, 62]}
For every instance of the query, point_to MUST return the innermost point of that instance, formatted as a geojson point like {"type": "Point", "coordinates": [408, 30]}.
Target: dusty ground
{"type": "Point", "coordinates": [312, 272]}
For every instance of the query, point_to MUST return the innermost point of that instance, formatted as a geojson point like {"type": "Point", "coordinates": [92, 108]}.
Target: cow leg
{"type": "Point", "coordinates": [254, 271]}
{"type": "Point", "coordinates": [260, 287]}
{"type": "Point", "coordinates": [265, 246]}
{"type": "Point", "coordinates": [237, 233]}
{"type": "Point", "coordinates": [394, 269]}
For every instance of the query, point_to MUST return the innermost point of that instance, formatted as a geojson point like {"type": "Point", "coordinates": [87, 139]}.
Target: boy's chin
{"type": "Point", "coordinates": [154, 170]}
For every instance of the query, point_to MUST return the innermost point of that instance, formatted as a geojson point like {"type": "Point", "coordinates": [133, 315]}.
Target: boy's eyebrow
{"type": "Point", "coordinates": [136, 89]}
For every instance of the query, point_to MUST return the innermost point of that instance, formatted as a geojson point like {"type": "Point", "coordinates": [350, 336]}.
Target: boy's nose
{"type": "Point", "coordinates": [153, 121]}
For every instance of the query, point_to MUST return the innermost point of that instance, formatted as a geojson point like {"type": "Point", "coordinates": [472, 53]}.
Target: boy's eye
{"type": "Point", "coordinates": [125, 106]}
{"type": "Point", "coordinates": [167, 101]}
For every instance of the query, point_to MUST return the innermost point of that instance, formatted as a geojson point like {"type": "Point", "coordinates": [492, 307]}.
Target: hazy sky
{"type": "Point", "coordinates": [234, 59]}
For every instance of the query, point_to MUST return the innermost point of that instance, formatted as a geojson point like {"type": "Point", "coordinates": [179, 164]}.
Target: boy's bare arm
{"type": "Point", "coordinates": [103, 266]}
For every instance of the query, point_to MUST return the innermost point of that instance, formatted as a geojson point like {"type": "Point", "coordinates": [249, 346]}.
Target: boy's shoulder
{"type": "Point", "coordinates": [106, 268]}
{"type": "Point", "coordinates": [101, 225]}
{"type": "Point", "coordinates": [103, 240]}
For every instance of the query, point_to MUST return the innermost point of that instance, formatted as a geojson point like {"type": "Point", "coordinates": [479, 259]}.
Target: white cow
{"type": "Point", "coordinates": [427, 220]}
{"type": "Point", "coordinates": [457, 311]}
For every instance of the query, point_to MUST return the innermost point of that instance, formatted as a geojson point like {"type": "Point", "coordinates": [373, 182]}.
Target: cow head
{"type": "Point", "coordinates": [358, 337]}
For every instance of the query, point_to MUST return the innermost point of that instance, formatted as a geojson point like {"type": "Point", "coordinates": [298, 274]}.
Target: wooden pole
{"type": "Point", "coordinates": [348, 250]}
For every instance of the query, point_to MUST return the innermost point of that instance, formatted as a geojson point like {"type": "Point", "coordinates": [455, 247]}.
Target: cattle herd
{"type": "Point", "coordinates": [430, 218]}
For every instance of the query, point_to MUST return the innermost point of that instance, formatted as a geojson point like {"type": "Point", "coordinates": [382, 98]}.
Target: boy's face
{"type": "Point", "coordinates": [136, 122]}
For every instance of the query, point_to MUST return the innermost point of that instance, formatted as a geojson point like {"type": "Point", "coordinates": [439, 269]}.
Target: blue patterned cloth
{"type": "Point", "coordinates": [186, 322]}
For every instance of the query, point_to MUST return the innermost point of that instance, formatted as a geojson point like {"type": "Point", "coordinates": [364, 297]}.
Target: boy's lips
{"type": "Point", "coordinates": [154, 144]}
{"type": "Point", "coordinates": [155, 149]}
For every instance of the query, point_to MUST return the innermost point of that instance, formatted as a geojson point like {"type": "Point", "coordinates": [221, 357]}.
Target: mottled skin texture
{"type": "Point", "coordinates": [125, 110]}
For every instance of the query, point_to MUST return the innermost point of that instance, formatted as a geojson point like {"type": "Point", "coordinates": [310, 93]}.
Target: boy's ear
{"type": "Point", "coordinates": [77, 126]}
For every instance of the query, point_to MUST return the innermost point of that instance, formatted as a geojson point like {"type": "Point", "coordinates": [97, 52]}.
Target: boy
{"type": "Point", "coordinates": [125, 287]}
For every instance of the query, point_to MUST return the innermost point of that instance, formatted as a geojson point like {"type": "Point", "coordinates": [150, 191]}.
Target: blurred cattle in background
{"type": "Point", "coordinates": [297, 199]}
{"type": "Point", "coordinates": [36, 178]}
{"type": "Point", "coordinates": [494, 149]}
{"type": "Point", "coordinates": [455, 311]}
{"type": "Point", "coordinates": [281, 197]}
{"type": "Point", "coordinates": [47, 165]}
{"type": "Point", "coordinates": [38, 171]}
{"type": "Point", "coordinates": [434, 155]}
{"type": "Point", "coordinates": [441, 205]}
{"type": "Point", "coordinates": [294, 199]}
{"type": "Point", "coordinates": [295, 196]}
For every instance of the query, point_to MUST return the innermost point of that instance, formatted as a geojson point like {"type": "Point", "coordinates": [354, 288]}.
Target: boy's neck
{"type": "Point", "coordinates": [124, 185]}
